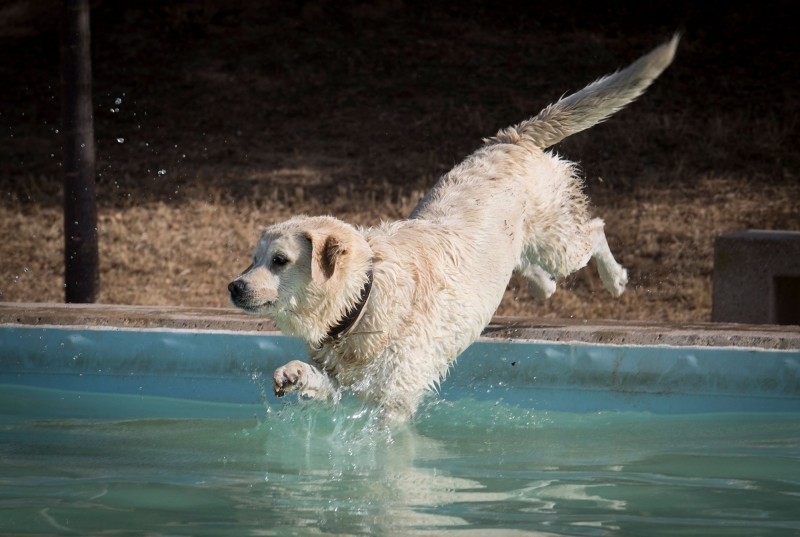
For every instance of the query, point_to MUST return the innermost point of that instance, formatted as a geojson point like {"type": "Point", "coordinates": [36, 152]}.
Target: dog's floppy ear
{"type": "Point", "coordinates": [325, 252]}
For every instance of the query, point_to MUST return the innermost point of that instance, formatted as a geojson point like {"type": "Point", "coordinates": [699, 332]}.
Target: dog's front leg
{"type": "Point", "coordinates": [304, 378]}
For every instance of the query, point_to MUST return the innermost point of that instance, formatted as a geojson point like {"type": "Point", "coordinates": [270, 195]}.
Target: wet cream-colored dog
{"type": "Point", "coordinates": [385, 310]}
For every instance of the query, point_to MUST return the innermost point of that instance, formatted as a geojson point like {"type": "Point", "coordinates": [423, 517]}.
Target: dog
{"type": "Point", "coordinates": [385, 310]}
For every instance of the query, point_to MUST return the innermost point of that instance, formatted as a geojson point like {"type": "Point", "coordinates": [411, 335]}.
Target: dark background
{"type": "Point", "coordinates": [355, 108]}
{"type": "Point", "coordinates": [378, 84]}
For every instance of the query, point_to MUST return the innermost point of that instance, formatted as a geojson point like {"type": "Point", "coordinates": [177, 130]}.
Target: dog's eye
{"type": "Point", "coordinates": [279, 261]}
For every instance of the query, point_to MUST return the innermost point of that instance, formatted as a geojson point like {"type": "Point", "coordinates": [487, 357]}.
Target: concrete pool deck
{"type": "Point", "coordinates": [777, 337]}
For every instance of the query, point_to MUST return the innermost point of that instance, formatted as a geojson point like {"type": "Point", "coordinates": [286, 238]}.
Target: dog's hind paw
{"type": "Point", "coordinates": [540, 284]}
{"type": "Point", "coordinates": [614, 280]}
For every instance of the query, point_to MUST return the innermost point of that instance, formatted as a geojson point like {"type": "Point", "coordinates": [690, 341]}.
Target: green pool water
{"type": "Point", "coordinates": [124, 464]}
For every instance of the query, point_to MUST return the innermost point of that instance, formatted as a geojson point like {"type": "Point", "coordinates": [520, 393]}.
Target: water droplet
{"type": "Point", "coordinates": [120, 140]}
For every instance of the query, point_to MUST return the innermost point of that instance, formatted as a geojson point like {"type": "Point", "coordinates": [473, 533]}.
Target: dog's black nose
{"type": "Point", "coordinates": [236, 288]}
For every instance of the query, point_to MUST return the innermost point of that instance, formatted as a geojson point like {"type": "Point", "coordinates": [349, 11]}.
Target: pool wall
{"type": "Point", "coordinates": [222, 356]}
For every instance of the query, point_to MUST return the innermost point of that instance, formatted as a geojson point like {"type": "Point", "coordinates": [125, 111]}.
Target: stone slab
{"type": "Point", "coordinates": [757, 277]}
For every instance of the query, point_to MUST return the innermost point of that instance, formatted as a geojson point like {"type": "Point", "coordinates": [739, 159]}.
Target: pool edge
{"type": "Point", "coordinates": [636, 333]}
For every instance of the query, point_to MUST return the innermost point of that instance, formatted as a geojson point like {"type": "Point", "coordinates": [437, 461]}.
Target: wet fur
{"type": "Point", "coordinates": [439, 276]}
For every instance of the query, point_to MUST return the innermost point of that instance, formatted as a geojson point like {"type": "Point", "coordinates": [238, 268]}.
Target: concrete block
{"type": "Point", "coordinates": [757, 277]}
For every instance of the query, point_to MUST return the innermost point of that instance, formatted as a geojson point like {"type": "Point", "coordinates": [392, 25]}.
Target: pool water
{"type": "Point", "coordinates": [82, 463]}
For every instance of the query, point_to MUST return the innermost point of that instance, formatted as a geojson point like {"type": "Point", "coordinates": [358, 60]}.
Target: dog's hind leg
{"type": "Point", "coordinates": [541, 285]}
{"type": "Point", "coordinates": [613, 275]}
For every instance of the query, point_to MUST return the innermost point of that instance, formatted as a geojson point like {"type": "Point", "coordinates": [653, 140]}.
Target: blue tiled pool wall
{"type": "Point", "coordinates": [234, 367]}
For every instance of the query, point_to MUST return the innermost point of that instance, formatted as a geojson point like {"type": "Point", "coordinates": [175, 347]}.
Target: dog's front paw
{"type": "Point", "coordinates": [290, 377]}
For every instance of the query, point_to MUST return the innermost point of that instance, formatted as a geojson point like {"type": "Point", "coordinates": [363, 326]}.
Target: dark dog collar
{"type": "Point", "coordinates": [353, 314]}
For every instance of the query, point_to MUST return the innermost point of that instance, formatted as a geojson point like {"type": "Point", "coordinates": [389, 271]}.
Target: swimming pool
{"type": "Point", "coordinates": [174, 431]}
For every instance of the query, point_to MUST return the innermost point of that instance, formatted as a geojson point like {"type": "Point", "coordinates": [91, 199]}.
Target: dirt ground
{"type": "Point", "coordinates": [214, 119]}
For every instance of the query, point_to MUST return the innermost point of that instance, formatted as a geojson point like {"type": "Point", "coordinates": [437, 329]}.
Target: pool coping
{"type": "Point", "coordinates": [605, 332]}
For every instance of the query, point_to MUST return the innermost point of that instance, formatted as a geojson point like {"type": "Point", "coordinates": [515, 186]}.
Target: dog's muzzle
{"type": "Point", "coordinates": [237, 289]}
{"type": "Point", "coordinates": [246, 298]}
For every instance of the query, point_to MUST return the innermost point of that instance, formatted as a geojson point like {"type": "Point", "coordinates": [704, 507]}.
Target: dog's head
{"type": "Point", "coordinates": [305, 273]}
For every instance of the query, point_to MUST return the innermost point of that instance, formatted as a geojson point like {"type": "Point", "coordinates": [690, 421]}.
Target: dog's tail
{"type": "Point", "coordinates": [593, 104]}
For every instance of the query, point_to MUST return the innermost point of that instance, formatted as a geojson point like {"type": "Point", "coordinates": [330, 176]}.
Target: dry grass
{"type": "Point", "coordinates": [258, 115]}
{"type": "Point", "coordinates": [184, 254]}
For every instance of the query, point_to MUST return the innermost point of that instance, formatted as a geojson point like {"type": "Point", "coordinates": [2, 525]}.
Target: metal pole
{"type": "Point", "coordinates": [81, 273]}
